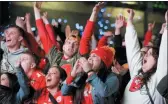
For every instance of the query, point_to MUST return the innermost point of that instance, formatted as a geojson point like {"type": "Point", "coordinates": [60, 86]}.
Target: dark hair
{"type": "Point", "coordinates": [7, 93]}
{"type": "Point", "coordinates": [102, 74]}
{"type": "Point", "coordinates": [147, 75]}
{"type": "Point", "coordinates": [63, 74]}
{"type": "Point", "coordinates": [13, 81]}
{"type": "Point", "coordinates": [59, 32]}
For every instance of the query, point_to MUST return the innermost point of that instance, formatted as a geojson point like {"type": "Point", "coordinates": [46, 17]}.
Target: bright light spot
{"type": "Point", "coordinates": [59, 20]}
{"type": "Point", "coordinates": [108, 15]}
{"type": "Point", "coordinates": [111, 42]}
{"type": "Point", "coordinates": [33, 28]}
{"type": "Point", "coordinates": [103, 10]}
{"type": "Point", "coordinates": [107, 21]}
{"type": "Point", "coordinates": [65, 21]}
{"type": "Point", "coordinates": [101, 25]}
{"type": "Point", "coordinates": [81, 27]}
{"type": "Point", "coordinates": [77, 25]}
{"type": "Point", "coordinates": [105, 27]}
{"type": "Point", "coordinates": [101, 33]}
{"type": "Point", "coordinates": [99, 22]}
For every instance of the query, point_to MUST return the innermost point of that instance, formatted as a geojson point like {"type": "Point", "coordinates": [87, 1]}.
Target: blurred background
{"type": "Point", "coordinates": [77, 13]}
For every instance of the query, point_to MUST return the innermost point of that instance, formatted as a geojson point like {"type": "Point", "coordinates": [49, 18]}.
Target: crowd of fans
{"type": "Point", "coordinates": [51, 67]}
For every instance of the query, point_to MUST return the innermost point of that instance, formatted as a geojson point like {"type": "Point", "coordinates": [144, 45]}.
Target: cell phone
{"type": "Point", "coordinates": [23, 18]}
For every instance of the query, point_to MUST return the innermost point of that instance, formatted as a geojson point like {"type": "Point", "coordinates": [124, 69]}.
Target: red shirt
{"type": "Point", "coordinates": [37, 80]}
{"type": "Point", "coordinates": [87, 94]}
{"type": "Point", "coordinates": [44, 98]}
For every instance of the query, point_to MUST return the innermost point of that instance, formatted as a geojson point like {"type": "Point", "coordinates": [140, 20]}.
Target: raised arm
{"type": "Point", "coordinates": [148, 35]}
{"type": "Point", "coordinates": [28, 24]}
{"type": "Point", "coordinates": [50, 30]}
{"type": "Point", "coordinates": [157, 41]}
{"type": "Point", "coordinates": [119, 23]}
{"type": "Point", "coordinates": [132, 46]}
{"type": "Point", "coordinates": [88, 31]}
{"type": "Point", "coordinates": [162, 60]}
{"type": "Point", "coordinates": [103, 40]}
{"type": "Point", "coordinates": [29, 40]}
{"type": "Point", "coordinates": [21, 23]}
{"type": "Point", "coordinates": [42, 32]}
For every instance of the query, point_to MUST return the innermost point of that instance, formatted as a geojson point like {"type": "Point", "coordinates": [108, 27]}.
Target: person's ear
{"type": "Point", "coordinates": [20, 38]}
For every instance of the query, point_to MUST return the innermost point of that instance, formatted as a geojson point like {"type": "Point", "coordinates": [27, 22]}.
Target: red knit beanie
{"type": "Point", "coordinates": [106, 54]}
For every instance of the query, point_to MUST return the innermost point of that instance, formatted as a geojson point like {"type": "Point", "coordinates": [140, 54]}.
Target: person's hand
{"type": "Point", "coordinates": [151, 26]}
{"type": "Point", "coordinates": [108, 33]}
{"type": "Point", "coordinates": [37, 5]}
{"type": "Point", "coordinates": [119, 22]}
{"type": "Point", "coordinates": [130, 15]}
{"type": "Point", "coordinates": [67, 31]}
{"type": "Point", "coordinates": [162, 29]}
{"type": "Point", "coordinates": [98, 7]}
{"type": "Point", "coordinates": [27, 17]}
{"type": "Point", "coordinates": [20, 22]}
{"type": "Point", "coordinates": [85, 64]}
{"type": "Point", "coordinates": [76, 69]}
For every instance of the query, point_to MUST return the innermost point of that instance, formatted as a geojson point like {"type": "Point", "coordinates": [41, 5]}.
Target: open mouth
{"type": "Point", "coordinates": [8, 40]}
{"type": "Point", "coordinates": [48, 80]}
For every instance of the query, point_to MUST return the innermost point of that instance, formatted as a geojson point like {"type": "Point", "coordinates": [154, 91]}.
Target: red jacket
{"type": "Point", "coordinates": [37, 80]}
{"type": "Point", "coordinates": [44, 98]}
{"type": "Point", "coordinates": [47, 35]}
{"type": "Point", "coordinates": [102, 41]}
